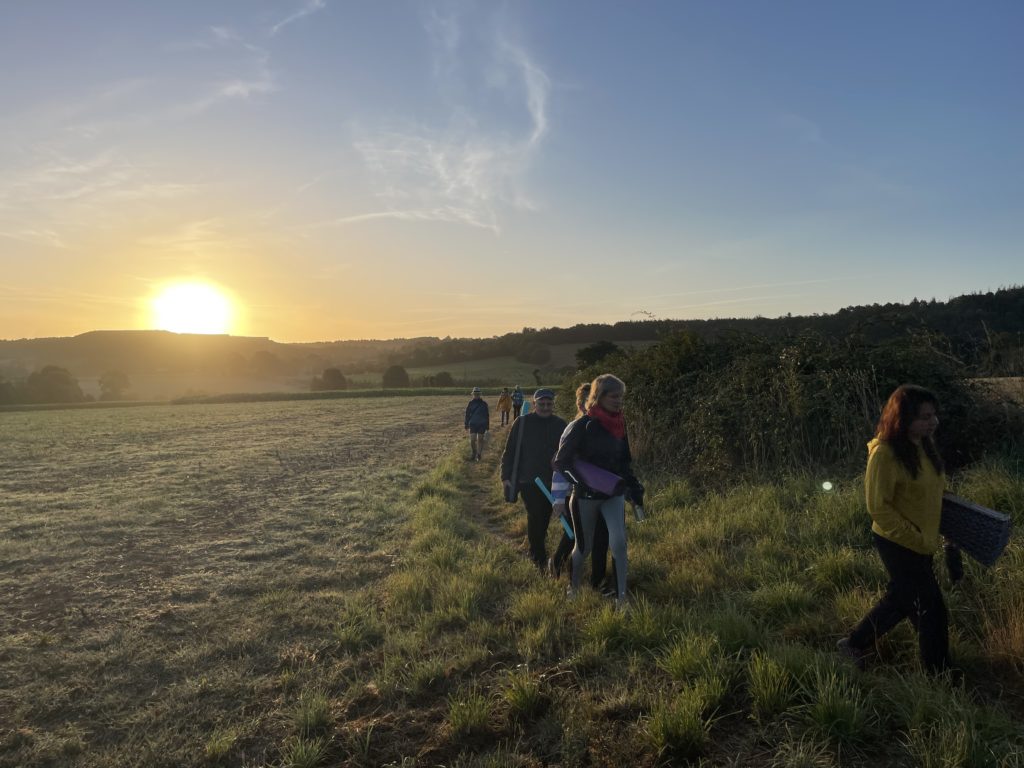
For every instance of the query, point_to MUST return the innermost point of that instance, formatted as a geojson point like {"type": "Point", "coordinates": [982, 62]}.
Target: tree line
{"type": "Point", "coordinates": [53, 384]}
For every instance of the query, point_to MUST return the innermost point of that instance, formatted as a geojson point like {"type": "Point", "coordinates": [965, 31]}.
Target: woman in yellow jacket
{"type": "Point", "coordinates": [903, 487]}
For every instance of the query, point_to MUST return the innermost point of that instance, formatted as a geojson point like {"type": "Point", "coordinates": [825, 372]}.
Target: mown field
{"type": "Point", "coordinates": [330, 583]}
{"type": "Point", "coordinates": [169, 573]}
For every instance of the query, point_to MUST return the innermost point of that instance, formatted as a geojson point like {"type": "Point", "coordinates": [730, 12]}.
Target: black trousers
{"type": "Point", "coordinates": [538, 515]}
{"type": "Point", "coordinates": [914, 594]}
{"type": "Point", "coordinates": [599, 556]}
{"type": "Point", "coordinates": [515, 411]}
{"type": "Point", "coordinates": [504, 418]}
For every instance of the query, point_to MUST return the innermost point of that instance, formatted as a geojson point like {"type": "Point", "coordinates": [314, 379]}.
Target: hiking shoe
{"type": "Point", "coordinates": [856, 656]}
{"type": "Point", "coordinates": [622, 604]}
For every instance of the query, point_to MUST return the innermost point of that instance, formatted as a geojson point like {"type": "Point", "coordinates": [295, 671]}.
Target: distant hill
{"type": "Point", "coordinates": [982, 329]}
{"type": "Point", "coordinates": [155, 352]}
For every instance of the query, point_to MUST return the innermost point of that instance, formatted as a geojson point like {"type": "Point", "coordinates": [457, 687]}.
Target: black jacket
{"type": "Point", "coordinates": [587, 439]}
{"type": "Point", "coordinates": [540, 441]}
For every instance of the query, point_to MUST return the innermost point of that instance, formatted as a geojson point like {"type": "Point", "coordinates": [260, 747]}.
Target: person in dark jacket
{"type": "Point", "coordinates": [478, 421]}
{"type": "Point", "coordinates": [599, 438]}
{"type": "Point", "coordinates": [540, 432]}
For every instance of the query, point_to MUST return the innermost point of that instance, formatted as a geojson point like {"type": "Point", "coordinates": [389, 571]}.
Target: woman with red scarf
{"type": "Point", "coordinates": [599, 439]}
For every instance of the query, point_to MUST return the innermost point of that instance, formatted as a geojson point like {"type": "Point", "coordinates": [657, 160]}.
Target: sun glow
{"type": "Point", "coordinates": [192, 308]}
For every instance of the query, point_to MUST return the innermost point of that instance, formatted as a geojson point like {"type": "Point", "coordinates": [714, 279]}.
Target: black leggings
{"type": "Point", "coordinates": [913, 593]}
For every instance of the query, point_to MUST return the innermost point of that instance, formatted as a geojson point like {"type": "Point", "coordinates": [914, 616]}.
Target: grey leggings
{"type": "Point", "coordinates": [614, 512]}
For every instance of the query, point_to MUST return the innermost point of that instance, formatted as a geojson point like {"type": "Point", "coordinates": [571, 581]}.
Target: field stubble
{"type": "Point", "coordinates": [179, 565]}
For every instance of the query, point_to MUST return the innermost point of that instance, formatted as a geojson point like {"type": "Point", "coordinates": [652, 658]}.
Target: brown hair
{"type": "Point", "coordinates": [581, 396]}
{"type": "Point", "coordinates": [602, 385]}
{"type": "Point", "coordinates": [899, 412]}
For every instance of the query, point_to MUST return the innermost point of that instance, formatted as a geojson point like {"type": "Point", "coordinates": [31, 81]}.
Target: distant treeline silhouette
{"type": "Point", "coordinates": [982, 334]}
{"type": "Point", "coordinates": [982, 330]}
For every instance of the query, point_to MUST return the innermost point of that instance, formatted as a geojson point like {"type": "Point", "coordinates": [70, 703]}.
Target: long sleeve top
{"type": "Point", "coordinates": [540, 441]}
{"type": "Point", "coordinates": [903, 509]}
{"type": "Point", "coordinates": [478, 415]}
{"type": "Point", "coordinates": [587, 439]}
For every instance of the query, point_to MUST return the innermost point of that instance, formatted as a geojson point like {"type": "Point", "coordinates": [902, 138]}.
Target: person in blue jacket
{"type": "Point", "coordinates": [517, 402]}
{"type": "Point", "coordinates": [477, 422]}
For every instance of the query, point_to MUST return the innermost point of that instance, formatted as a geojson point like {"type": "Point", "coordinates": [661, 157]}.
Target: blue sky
{"type": "Point", "coordinates": [354, 170]}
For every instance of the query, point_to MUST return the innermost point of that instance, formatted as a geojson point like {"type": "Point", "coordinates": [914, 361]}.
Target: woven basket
{"type": "Point", "coordinates": [980, 532]}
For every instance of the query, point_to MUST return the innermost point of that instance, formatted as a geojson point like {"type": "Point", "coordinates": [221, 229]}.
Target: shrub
{"type": "Point", "coordinates": [745, 404]}
{"type": "Point", "coordinates": [395, 377]}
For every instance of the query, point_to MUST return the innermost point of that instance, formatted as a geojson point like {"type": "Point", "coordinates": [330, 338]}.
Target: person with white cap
{"type": "Point", "coordinates": [530, 446]}
{"type": "Point", "coordinates": [477, 422]}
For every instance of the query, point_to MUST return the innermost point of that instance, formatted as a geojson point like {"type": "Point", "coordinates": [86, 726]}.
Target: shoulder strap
{"type": "Point", "coordinates": [519, 450]}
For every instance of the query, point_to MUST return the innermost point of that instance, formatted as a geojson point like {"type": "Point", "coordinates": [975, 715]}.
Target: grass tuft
{"type": "Point", "coordinates": [524, 695]}
{"type": "Point", "coordinates": [312, 713]}
{"type": "Point", "coordinates": [469, 712]}
{"type": "Point", "coordinates": [677, 727]}
{"type": "Point", "coordinates": [301, 752]}
{"type": "Point", "coordinates": [773, 688]}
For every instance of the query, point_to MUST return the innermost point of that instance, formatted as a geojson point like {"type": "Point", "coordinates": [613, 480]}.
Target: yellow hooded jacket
{"type": "Point", "coordinates": [903, 509]}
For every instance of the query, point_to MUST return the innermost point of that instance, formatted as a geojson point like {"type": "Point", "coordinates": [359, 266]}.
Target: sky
{"type": "Point", "coordinates": [339, 169]}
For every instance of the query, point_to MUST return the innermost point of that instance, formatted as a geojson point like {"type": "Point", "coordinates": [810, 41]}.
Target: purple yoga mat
{"type": "Point", "coordinates": [597, 479]}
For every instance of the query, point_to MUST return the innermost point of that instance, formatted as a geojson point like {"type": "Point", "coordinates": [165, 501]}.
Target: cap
{"type": "Point", "coordinates": [476, 391]}
{"type": "Point", "coordinates": [543, 392]}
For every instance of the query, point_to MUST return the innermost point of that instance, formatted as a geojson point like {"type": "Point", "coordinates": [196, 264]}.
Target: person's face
{"type": "Point", "coordinates": [544, 407]}
{"type": "Point", "coordinates": [924, 423]}
{"type": "Point", "coordinates": [612, 401]}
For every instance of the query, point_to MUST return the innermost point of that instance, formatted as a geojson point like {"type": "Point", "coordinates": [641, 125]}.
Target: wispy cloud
{"type": "Point", "coordinates": [46, 237]}
{"type": "Point", "coordinates": [198, 236]}
{"type": "Point", "coordinates": [308, 8]}
{"type": "Point", "coordinates": [462, 172]}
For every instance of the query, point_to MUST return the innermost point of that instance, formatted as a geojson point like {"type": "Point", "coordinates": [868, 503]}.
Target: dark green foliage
{"type": "Point", "coordinates": [333, 379]}
{"type": "Point", "coordinates": [53, 385]}
{"type": "Point", "coordinates": [394, 377]}
{"type": "Point", "coordinates": [534, 353]}
{"type": "Point", "coordinates": [442, 379]}
{"type": "Point", "coordinates": [595, 353]}
{"type": "Point", "coordinates": [756, 405]}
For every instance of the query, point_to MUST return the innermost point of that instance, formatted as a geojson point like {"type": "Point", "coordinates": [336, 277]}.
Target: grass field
{"type": "Point", "coordinates": [170, 573]}
{"type": "Point", "coordinates": [330, 583]}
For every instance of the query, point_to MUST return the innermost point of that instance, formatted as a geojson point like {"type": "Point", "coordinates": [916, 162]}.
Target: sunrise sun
{"type": "Point", "coordinates": [192, 308]}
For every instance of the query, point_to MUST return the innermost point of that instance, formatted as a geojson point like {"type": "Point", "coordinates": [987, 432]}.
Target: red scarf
{"type": "Point", "coordinates": [615, 423]}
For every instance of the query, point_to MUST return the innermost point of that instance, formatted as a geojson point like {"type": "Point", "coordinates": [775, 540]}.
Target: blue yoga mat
{"type": "Point", "coordinates": [561, 518]}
